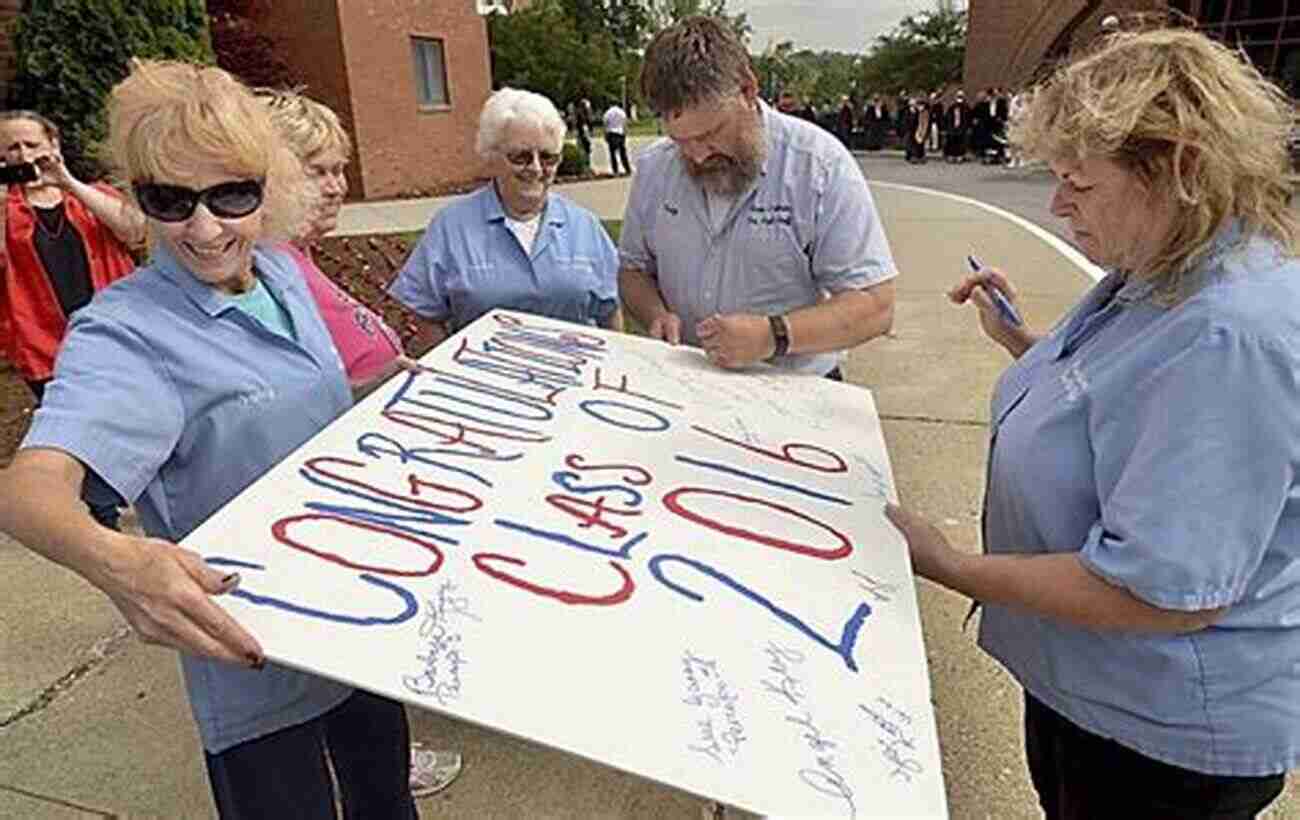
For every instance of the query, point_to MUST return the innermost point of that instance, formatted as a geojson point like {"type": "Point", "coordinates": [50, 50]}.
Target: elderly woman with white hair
{"type": "Point", "coordinates": [513, 243]}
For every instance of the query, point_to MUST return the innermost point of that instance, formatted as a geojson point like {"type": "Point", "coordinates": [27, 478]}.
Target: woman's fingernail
{"type": "Point", "coordinates": [230, 581]}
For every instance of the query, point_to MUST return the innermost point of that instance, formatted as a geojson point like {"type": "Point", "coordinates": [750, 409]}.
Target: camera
{"type": "Point", "coordinates": [14, 174]}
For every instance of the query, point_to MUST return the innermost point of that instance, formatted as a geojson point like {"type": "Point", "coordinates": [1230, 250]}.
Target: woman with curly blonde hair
{"type": "Point", "coordinates": [1142, 517]}
{"type": "Point", "coordinates": [177, 387]}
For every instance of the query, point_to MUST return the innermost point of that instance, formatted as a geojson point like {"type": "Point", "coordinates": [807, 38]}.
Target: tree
{"type": "Point", "coordinates": [243, 49]}
{"type": "Point", "coordinates": [664, 13]}
{"type": "Point", "coordinates": [542, 49]}
{"type": "Point", "coordinates": [821, 76]}
{"type": "Point", "coordinates": [70, 54]}
{"type": "Point", "coordinates": [925, 51]}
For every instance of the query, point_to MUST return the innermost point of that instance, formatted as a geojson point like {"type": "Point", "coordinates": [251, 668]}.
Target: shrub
{"type": "Point", "coordinates": [243, 49]}
{"type": "Point", "coordinates": [70, 54]}
{"type": "Point", "coordinates": [574, 162]}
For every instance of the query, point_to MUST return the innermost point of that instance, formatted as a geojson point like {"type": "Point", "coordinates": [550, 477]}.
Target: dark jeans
{"type": "Point", "coordinates": [618, 150]}
{"type": "Point", "coordinates": [285, 776]}
{"type": "Point", "coordinates": [1081, 776]}
{"type": "Point", "coordinates": [106, 513]}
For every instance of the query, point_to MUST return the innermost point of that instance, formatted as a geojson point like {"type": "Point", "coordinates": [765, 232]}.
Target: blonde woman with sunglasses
{"type": "Point", "coordinates": [178, 387]}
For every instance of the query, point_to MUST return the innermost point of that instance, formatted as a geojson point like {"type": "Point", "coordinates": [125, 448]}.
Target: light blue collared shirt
{"type": "Point", "coordinates": [1163, 447]}
{"type": "Point", "coordinates": [806, 228]}
{"type": "Point", "coordinates": [469, 262]}
{"type": "Point", "coordinates": [178, 400]}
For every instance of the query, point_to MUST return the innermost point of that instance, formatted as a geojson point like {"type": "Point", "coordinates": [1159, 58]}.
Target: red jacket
{"type": "Point", "coordinates": [30, 316]}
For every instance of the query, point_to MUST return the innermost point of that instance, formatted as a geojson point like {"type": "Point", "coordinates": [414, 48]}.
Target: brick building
{"type": "Point", "coordinates": [1010, 40]}
{"type": "Point", "coordinates": [407, 77]}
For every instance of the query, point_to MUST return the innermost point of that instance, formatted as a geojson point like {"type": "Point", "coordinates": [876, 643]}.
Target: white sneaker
{"type": "Point", "coordinates": [432, 770]}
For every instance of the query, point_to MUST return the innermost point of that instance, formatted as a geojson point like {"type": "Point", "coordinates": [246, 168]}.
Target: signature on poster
{"type": "Point", "coordinates": [719, 732]}
{"type": "Point", "coordinates": [895, 737]}
{"type": "Point", "coordinates": [441, 654]}
{"type": "Point", "coordinates": [783, 683]}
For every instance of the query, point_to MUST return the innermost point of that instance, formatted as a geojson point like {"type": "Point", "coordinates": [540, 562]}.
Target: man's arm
{"type": "Point", "coordinates": [845, 320]}
{"type": "Point", "coordinates": [640, 294]}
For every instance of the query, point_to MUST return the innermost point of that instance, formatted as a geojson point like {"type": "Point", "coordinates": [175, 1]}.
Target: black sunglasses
{"type": "Point", "coordinates": [176, 203]}
{"type": "Point", "coordinates": [522, 159]}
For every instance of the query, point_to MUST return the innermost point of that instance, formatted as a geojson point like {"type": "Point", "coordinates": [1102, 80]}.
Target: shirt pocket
{"type": "Point", "coordinates": [776, 265]}
{"type": "Point", "coordinates": [581, 273]}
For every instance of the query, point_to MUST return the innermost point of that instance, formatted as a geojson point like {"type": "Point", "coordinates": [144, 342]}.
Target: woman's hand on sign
{"type": "Point", "coordinates": [933, 557]}
{"type": "Point", "coordinates": [164, 592]}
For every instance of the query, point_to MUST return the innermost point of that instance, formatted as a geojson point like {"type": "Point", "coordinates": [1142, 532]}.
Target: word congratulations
{"type": "Point", "coordinates": [447, 427]}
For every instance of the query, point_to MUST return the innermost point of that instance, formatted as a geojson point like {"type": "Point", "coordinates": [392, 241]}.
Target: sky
{"type": "Point", "coordinates": [835, 25]}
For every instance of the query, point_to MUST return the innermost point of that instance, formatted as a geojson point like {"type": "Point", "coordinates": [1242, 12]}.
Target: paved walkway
{"type": "Point", "coordinates": [94, 724]}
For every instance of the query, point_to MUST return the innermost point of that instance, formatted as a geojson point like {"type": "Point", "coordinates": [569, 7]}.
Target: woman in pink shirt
{"type": "Point", "coordinates": [371, 351]}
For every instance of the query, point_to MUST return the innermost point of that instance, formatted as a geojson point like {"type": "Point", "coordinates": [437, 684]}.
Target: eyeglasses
{"type": "Point", "coordinates": [522, 159]}
{"type": "Point", "coordinates": [176, 203]}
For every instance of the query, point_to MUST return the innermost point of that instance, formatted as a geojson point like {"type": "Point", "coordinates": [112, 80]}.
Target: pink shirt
{"type": "Point", "coordinates": [365, 343]}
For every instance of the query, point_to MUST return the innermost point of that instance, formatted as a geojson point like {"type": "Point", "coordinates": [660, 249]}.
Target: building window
{"type": "Point", "coordinates": [430, 72]}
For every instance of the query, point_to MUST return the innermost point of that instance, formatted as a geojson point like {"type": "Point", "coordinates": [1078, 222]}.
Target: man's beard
{"type": "Point", "coordinates": [730, 175]}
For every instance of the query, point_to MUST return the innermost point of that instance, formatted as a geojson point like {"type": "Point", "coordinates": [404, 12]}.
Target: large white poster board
{"type": "Point", "coordinates": [606, 545]}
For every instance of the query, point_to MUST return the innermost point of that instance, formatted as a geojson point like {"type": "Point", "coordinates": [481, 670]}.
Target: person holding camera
{"type": "Point", "coordinates": [64, 240]}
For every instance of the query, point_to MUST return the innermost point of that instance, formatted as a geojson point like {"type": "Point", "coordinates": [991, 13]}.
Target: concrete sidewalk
{"type": "Point", "coordinates": [93, 723]}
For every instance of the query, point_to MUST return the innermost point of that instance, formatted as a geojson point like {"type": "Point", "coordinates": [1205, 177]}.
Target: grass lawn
{"type": "Point", "coordinates": [646, 127]}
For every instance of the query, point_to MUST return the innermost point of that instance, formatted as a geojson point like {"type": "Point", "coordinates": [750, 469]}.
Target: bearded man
{"type": "Point", "coordinates": [748, 232]}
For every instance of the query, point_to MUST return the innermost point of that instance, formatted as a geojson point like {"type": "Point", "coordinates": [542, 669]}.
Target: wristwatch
{"type": "Point", "coordinates": [780, 335]}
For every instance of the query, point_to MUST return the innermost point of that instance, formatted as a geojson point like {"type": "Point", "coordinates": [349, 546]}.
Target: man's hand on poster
{"type": "Point", "coordinates": [736, 340]}
{"type": "Point", "coordinates": [666, 327]}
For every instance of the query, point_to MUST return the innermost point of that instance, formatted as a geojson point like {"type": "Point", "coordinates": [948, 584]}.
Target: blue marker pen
{"type": "Point", "coordinates": [1007, 310]}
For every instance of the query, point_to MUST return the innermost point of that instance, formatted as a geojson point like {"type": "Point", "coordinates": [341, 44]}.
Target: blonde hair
{"type": "Point", "coordinates": [1192, 120]}
{"type": "Point", "coordinates": [166, 116]}
{"type": "Point", "coordinates": [308, 127]}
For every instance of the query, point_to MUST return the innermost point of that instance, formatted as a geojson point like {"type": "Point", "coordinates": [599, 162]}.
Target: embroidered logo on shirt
{"type": "Point", "coordinates": [362, 318]}
{"type": "Point", "coordinates": [1074, 381]}
{"type": "Point", "coordinates": [771, 214]}
{"type": "Point", "coordinates": [255, 397]}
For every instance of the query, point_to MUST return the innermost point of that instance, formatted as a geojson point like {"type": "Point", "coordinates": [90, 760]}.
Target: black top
{"type": "Point", "coordinates": [62, 253]}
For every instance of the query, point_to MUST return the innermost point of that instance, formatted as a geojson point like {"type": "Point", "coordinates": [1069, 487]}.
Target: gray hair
{"type": "Point", "coordinates": [510, 105]}
{"type": "Point", "coordinates": [47, 125]}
